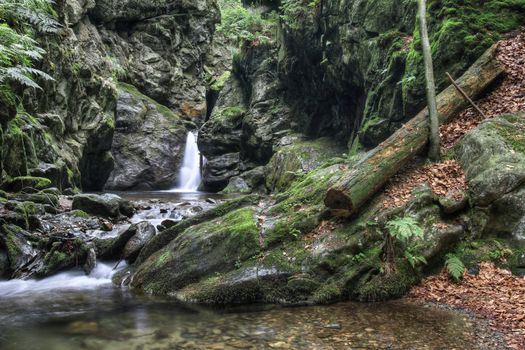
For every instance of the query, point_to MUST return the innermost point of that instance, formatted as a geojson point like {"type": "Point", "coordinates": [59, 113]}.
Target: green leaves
{"type": "Point", "coordinates": [403, 229]}
{"type": "Point", "coordinates": [244, 25]}
{"type": "Point", "coordinates": [454, 266]}
{"type": "Point", "coordinates": [18, 50]}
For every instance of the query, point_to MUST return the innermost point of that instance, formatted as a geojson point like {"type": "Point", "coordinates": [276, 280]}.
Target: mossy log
{"type": "Point", "coordinates": [364, 179]}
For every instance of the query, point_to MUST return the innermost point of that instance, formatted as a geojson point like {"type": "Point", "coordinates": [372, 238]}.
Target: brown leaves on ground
{"type": "Point", "coordinates": [494, 293]}
{"type": "Point", "coordinates": [445, 179]}
{"type": "Point", "coordinates": [508, 97]}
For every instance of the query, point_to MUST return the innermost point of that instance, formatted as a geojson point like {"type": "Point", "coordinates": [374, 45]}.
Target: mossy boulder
{"type": "Point", "coordinates": [62, 254]}
{"type": "Point", "coordinates": [148, 143]}
{"type": "Point", "coordinates": [21, 253]}
{"type": "Point", "coordinates": [166, 236]}
{"type": "Point", "coordinates": [142, 233]}
{"type": "Point", "coordinates": [296, 159]}
{"type": "Point", "coordinates": [28, 184]}
{"type": "Point", "coordinates": [200, 251]}
{"type": "Point", "coordinates": [493, 156]}
{"type": "Point", "coordinates": [106, 205]}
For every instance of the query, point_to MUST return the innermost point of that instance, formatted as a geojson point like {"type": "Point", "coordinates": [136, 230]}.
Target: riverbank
{"type": "Point", "coordinates": [490, 292]}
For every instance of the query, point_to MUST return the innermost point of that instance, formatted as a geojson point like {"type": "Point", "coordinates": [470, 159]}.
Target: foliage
{"type": "Point", "coordinates": [403, 229]}
{"type": "Point", "coordinates": [18, 50]}
{"type": "Point", "coordinates": [245, 25]}
{"type": "Point", "coordinates": [454, 266]}
{"type": "Point", "coordinates": [26, 15]}
{"type": "Point", "coordinates": [295, 13]}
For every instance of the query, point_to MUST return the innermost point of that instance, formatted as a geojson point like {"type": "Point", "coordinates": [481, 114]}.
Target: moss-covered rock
{"type": "Point", "coordinates": [26, 184]}
{"type": "Point", "coordinates": [493, 156]}
{"type": "Point", "coordinates": [297, 159]}
{"type": "Point", "coordinates": [107, 205]}
{"type": "Point", "coordinates": [166, 236]}
{"type": "Point", "coordinates": [201, 250]}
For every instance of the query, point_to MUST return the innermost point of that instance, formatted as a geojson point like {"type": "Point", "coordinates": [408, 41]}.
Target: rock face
{"type": "Point", "coordinates": [348, 70]}
{"type": "Point", "coordinates": [158, 47]}
{"type": "Point", "coordinates": [147, 145]}
{"type": "Point", "coordinates": [106, 205]}
{"type": "Point", "coordinates": [493, 156]}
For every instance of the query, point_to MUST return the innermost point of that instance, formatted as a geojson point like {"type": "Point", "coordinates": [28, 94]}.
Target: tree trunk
{"type": "Point", "coordinates": [365, 178]}
{"type": "Point", "coordinates": [433, 149]}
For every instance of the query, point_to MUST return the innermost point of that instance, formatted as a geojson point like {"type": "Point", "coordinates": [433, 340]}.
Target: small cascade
{"type": "Point", "coordinates": [70, 280]}
{"type": "Point", "coordinates": [190, 172]}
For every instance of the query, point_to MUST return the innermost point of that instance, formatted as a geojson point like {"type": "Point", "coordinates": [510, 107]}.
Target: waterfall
{"type": "Point", "coordinates": [190, 172]}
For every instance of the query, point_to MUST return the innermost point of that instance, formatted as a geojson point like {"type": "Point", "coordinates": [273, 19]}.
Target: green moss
{"type": "Point", "coordinates": [460, 31]}
{"type": "Point", "coordinates": [136, 93]}
{"type": "Point", "coordinates": [376, 286]}
{"type": "Point", "coordinates": [218, 84]}
{"type": "Point", "coordinates": [20, 183]}
{"type": "Point", "coordinates": [500, 251]}
{"type": "Point", "coordinates": [163, 258]}
{"type": "Point", "coordinates": [80, 214]}
{"type": "Point", "coordinates": [327, 293]}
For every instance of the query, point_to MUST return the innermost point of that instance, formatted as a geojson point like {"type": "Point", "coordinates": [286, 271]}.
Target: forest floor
{"type": "Point", "coordinates": [447, 178]}
{"type": "Point", "coordinates": [493, 293]}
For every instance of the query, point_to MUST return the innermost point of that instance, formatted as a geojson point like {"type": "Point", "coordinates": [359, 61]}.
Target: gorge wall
{"type": "Point", "coordinates": [128, 82]}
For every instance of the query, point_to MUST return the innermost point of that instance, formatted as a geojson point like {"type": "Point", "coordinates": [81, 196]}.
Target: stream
{"type": "Point", "coordinates": [73, 311]}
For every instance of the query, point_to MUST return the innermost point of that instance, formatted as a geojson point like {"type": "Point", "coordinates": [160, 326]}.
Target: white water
{"type": "Point", "coordinates": [71, 280]}
{"type": "Point", "coordinates": [190, 173]}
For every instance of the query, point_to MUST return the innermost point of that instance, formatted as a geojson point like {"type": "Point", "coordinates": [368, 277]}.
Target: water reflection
{"type": "Point", "coordinates": [112, 318]}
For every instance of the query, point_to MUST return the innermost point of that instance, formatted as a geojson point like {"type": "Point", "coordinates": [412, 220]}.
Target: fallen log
{"type": "Point", "coordinates": [364, 179]}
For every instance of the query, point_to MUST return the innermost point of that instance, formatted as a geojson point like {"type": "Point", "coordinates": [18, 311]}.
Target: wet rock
{"type": "Point", "coordinates": [106, 205]}
{"type": "Point", "coordinates": [217, 171]}
{"type": "Point", "coordinates": [27, 184]}
{"type": "Point", "coordinates": [91, 261]}
{"type": "Point", "coordinates": [4, 263]}
{"type": "Point", "coordinates": [20, 251]}
{"type": "Point", "coordinates": [147, 145]}
{"type": "Point", "coordinates": [168, 223]}
{"type": "Point", "coordinates": [143, 232]}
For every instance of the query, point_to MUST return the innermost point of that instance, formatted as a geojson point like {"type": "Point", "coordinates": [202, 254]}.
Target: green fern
{"type": "Point", "coordinates": [19, 19]}
{"type": "Point", "coordinates": [403, 229]}
{"type": "Point", "coordinates": [455, 267]}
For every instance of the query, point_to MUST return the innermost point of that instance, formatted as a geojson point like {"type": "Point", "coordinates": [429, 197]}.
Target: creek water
{"type": "Point", "coordinates": [73, 311]}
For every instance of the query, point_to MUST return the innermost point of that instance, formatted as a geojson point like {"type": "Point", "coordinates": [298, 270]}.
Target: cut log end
{"type": "Point", "coordinates": [337, 200]}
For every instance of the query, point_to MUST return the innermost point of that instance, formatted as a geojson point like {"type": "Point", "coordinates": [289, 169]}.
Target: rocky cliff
{"type": "Point", "coordinates": [86, 126]}
{"type": "Point", "coordinates": [350, 70]}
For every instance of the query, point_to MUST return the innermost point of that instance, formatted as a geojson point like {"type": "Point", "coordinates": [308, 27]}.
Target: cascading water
{"type": "Point", "coordinates": [71, 280]}
{"type": "Point", "coordinates": [190, 173]}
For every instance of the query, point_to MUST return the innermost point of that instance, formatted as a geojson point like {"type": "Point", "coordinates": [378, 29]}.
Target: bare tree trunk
{"type": "Point", "coordinates": [433, 150]}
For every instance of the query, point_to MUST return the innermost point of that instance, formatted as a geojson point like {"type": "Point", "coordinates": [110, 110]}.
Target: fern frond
{"type": "Point", "coordinates": [455, 267]}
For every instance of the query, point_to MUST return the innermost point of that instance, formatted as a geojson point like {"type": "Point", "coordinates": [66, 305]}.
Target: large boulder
{"type": "Point", "coordinates": [215, 246]}
{"type": "Point", "coordinates": [106, 205]}
{"type": "Point", "coordinates": [493, 156]}
{"type": "Point", "coordinates": [297, 157]}
{"type": "Point", "coordinates": [21, 253]}
{"type": "Point", "coordinates": [148, 144]}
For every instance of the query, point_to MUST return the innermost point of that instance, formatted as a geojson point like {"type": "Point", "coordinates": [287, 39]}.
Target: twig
{"type": "Point", "coordinates": [464, 94]}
